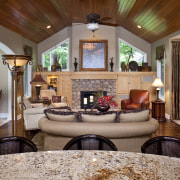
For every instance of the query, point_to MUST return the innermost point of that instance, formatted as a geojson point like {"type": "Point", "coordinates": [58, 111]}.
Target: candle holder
{"type": "Point", "coordinates": [91, 105]}
{"type": "Point", "coordinates": [85, 107]}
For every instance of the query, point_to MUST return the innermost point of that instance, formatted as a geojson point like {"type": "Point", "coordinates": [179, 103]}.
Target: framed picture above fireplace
{"type": "Point", "coordinates": [93, 55]}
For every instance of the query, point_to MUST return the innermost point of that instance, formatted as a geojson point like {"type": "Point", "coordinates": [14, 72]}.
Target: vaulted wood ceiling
{"type": "Point", "coordinates": [29, 18]}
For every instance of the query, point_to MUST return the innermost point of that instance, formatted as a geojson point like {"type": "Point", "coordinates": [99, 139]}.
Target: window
{"type": "Point", "coordinates": [130, 53]}
{"type": "Point", "coordinates": [58, 54]}
{"type": "Point", "coordinates": [160, 62]}
{"type": "Point", "coordinates": [161, 75]}
{"type": "Point", "coordinates": [27, 79]}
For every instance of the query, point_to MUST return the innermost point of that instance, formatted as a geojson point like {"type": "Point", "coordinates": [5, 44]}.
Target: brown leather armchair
{"type": "Point", "coordinates": [138, 99]}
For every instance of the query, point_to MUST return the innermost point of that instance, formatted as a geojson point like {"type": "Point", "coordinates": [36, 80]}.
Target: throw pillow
{"type": "Point", "coordinates": [105, 118]}
{"type": "Point", "coordinates": [57, 105]}
{"type": "Point", "coordinates": [27, 103]}
{"type": "Point", "coordinates": [56, 99]}
{"type": "Point", "coordinates": [135, 116]}
{"type": "Point", "coordinates": [63, 115]}
{"type": "Point", "coordinates": [64, 99]}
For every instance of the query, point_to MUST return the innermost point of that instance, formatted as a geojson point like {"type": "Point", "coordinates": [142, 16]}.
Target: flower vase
{"type": "Point", "coordinates": [103, 108]}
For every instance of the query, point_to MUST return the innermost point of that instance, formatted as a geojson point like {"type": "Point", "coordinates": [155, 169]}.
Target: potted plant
{"type": "Point", "coordinates": [103, 103]}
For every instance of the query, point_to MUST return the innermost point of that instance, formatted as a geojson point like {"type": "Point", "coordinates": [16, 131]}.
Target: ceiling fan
{"type": "Point", "coordinates": [94, 19]}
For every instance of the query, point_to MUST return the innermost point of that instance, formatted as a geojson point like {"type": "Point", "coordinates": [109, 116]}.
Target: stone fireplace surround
{"type": "Point", "coordinates": [79, 85]}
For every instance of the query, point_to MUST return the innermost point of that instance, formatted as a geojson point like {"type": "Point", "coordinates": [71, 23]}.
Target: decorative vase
{"type": "Point", "coordinates": [111, 64]}
{"type": "Point", "coordinates": [75, 64]}
{"type": "Point", "coordinates": [127, 67]}
{"type": "Point", "coordinates": [123, 66]}
{"type": "Point", "coordinates": [103, 108]}
{"type": "Point", "coordinates": [53, 68]}
{"type": "Point", "coordinates": [58, 67]}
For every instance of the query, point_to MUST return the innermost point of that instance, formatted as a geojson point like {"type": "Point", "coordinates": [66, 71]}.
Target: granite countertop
{"type": "Point", "coordinates": [88, 165]}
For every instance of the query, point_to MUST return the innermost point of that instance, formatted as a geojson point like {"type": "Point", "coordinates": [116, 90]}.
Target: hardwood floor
{"type": "Point", "coordinates": [167, 128]}
{"type": "Point", "coordinates": [6, 130]}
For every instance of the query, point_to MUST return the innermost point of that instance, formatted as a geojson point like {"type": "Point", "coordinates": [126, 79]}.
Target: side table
{"type": "Point", "coordinates": [158, 110]}
{"type": "Point", "coordinates": [47, 102]}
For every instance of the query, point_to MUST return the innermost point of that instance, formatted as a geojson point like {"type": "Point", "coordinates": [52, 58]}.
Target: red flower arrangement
{"type": "Point", "coordinates": [107, 101]}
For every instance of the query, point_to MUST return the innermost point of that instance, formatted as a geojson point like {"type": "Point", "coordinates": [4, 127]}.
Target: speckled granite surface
{"type": "Point", "coordinates": [88, 165]}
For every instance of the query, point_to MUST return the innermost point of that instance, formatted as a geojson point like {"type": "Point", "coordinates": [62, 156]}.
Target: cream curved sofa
{"type": "Point", "coordinates": [127, 136]}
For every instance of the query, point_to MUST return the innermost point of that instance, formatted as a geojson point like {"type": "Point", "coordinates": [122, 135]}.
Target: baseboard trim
{"type": "Point", "coordinates": [167, 116]}
{"type": "Point", "coordinates": [3, 115]}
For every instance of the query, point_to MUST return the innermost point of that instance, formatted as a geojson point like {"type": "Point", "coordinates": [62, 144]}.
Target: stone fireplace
{"type": "Point", "coordinates": [87, 94]}
{"type": "Point", "coordinates": [78, 85]}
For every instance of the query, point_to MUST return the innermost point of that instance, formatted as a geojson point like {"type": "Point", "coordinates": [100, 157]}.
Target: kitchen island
{"type": "Point", "coordinates": [88, 165]}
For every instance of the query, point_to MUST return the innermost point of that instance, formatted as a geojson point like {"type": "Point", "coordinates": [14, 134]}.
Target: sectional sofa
{"type": "Point", "coordinates": [128, 130]}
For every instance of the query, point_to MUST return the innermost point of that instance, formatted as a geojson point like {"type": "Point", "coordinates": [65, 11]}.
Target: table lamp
{"type": "Point", "coordinates": [38, 81]}
{"type": "Point", "coordinates": [157, 83]}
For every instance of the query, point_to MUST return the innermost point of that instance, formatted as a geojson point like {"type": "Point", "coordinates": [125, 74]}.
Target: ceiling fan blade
{"type": "Point", "coordinates": [109, 24]}
{"type": "Point", "coordinates": [105, 19]}
{"type": "Point", "coordinates": [78, 20]}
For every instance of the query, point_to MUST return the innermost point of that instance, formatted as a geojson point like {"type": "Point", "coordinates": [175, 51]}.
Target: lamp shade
{"type": "Point", "coordinates": [157, 83]}
{"type": "Point", "coordinates": [16, 60]}
{"type": "Point", "coordinates": [93, 26]}
{"type": "Point", "coordinates": [38, 80]}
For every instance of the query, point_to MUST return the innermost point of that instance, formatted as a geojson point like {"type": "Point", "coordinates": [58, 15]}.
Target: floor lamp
{"type": "Point", "coordinates": [17, 64]}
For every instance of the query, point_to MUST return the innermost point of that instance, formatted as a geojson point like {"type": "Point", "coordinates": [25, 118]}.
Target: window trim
{"type": "Point", "coordinates": [29, 75]}
{"type": "Point", "coordinates": [145, 54]}
{"type": "Point", "coordinates": [158, 74]}
{"type": "Point", "coordinates": [42, 54]}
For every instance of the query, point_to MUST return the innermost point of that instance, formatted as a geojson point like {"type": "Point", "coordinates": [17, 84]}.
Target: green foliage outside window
{"type": "Point", "coordinates": [129, 53]}
{"type": "Point", "coordinates": [62, 54]}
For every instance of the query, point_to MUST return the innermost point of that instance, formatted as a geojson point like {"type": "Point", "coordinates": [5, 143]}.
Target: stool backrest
{"type": "Point", "coordinates": [90, 142]}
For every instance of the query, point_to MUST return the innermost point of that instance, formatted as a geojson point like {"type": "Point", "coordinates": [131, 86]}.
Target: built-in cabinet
{"type": "Point", "coordinates": [125, 81]}
{"type": "Point", "coordinates": [134, 80]}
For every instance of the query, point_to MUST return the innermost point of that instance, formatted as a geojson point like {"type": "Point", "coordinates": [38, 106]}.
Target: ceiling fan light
{"type": "Point", "coordinates": [93, 26]}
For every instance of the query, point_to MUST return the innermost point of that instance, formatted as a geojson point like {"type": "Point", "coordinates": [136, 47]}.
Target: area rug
{"type": "Point", "coordinates": [3, 121]}
{"type": "Point", "coordinates": [177, 122]}
{"type": "Point", "coordinates": [38, 140]}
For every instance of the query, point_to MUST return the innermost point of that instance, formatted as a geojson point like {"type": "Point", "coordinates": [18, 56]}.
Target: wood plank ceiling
{"type": "Point", "coordinates": [29, 18]}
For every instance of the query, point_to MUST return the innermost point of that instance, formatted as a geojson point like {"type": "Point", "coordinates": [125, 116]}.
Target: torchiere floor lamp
{"type": "Point", "coordinates": [17, 64]}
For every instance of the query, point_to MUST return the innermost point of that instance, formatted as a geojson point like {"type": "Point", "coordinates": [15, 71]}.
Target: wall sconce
{"type": "Point", "coordinates": [157, 83]}
{"type": "Point", "coordinates": [38, 81]}
{"type": "Point", "coordinates": [17, 64]}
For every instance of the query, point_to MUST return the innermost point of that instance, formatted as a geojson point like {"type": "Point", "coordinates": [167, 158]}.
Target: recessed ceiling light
{"type": "Point", "coordinates": [138, 26]}
{"type": "Point", "coordinates": [48, 27]}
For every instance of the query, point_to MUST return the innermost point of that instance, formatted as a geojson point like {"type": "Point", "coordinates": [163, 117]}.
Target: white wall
{"type": "Point", "coordinates": [80, 32]}
{"type": "Point", "coordinates": [15, 42]}
{"type": "Point", "coordinates": [135, 41]}
{"type": "Point", "coordinates": [52, 41]}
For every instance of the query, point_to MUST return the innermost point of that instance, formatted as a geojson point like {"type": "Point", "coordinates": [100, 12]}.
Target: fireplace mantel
{"type": "Point", "coordinates": [124, 81]}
